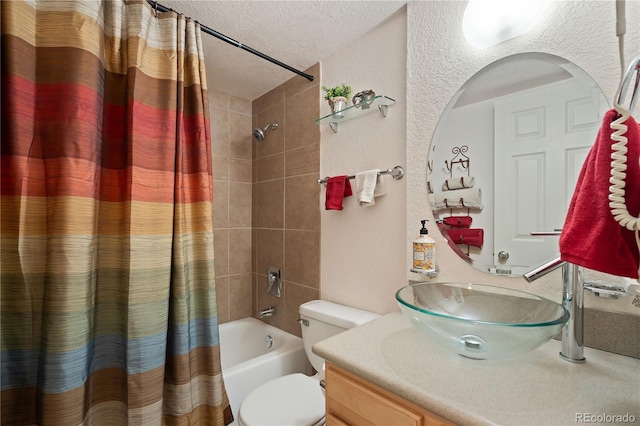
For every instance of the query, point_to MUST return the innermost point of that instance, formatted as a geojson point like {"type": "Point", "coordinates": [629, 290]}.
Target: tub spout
{"type": "Point", "coordinates": [269, 312]}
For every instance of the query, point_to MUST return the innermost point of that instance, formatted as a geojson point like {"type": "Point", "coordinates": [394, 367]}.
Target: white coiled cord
{"type": "Point", "coordinates": [617, 202]}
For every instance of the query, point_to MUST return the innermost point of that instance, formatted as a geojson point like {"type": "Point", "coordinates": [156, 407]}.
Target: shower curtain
{"type": "Point", "coordinates": [108, 302]}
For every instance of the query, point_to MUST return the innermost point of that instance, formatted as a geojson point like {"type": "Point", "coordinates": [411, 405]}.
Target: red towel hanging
{"type": "Point", "coordinates": [591, 237]}
{"type": "Point", "coordinates": [338, 187]}
{"type": "Point", "coordinates": [470, 237]}
{"type": "Point", "coordinates": [458, 221]}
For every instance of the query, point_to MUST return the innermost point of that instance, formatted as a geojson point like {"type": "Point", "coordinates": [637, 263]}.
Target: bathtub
{"type": "Point", "coordinates": [248, 361]}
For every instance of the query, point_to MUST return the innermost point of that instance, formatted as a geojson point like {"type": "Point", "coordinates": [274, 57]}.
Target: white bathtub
{"type": "Point", "coordinates": [247, 362]}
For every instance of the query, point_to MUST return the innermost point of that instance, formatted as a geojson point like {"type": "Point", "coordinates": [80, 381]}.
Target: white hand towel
{"type": "Point", "coordinates": [468, 197]}
{"type": "Point", "coordinates": [600, 282]}
{"type": "Point", "coordinates": [369, 185]}
{"type": "Point", "coordinates": [458, 183]}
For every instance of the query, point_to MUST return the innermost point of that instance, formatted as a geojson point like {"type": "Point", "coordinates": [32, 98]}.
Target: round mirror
{"type": "Point", "coordinates": [505, 158]}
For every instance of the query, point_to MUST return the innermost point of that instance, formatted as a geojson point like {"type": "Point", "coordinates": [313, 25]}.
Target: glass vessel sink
{"type": "Point", "coordinates": [481, 321]}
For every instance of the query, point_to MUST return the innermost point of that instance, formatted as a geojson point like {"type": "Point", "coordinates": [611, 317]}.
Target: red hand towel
{"type": "Point", "coordinates": [591, 237]}
{"type": "Point", "coordinates": [338, 187]}
{"type": "Point", "coordinates": [470, 237]}
{"type": "Point", "coordinates": [458, 221]}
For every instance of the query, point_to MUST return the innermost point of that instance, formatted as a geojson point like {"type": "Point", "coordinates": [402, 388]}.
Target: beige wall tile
{"type": "Point", "coordinates": [254, 245]}
{"type": "Point", "coordinates": [232, 170]}
{"type": "Point", "coordinates": [240, 170]}
{"type": "Point", "coordinates": [265, 299]}
{"type": "Point", "coordinates": [218, 99]}
{"type": "Point", "coordinates": [240, 294]}
{"type": "Point", "coordinates": [220, 204]}
{"type": "Point", "coordinates": [220, 168]}
{"type": "Point", "coordinates": [296, 296]}
{"type": "Point", "coordinates": [240, 200]}
{"type": "Point", "coordinates": [222, 298]}
{"type": "Point", "coordinates": [300, 112]}
{"type": "Point", "coordinates": [243, 106]}
{"type": "Point", "coordinates": [221, 251]}
{"type": "Point", "coordinates": [240, 136]}
{"type": "Point", "coordinates": [269, 99]}
{"type": "Point", "coordinates": [254, 142]}
{"type": "Point", "coordinates": [254, 297]}
{"type": "Point", "coordinates": [303, 160]}
{"type": "Point", "coordinates": [268, 204]}
{"type": "Point", "coordinates": [302, 202]}
{"type": "Point", "coordinates": [219, 132]}
{"type": "Point", "coordinates": [269, 249]}
{"type": "Point", "coordinates": [302, 257]}
{"type": "Point", "coordinates": [298, 83]}
{"type": "Point", "coordinates": [295, 250]}
{"type": "Point", "coordinates": [273, 142]}
{"type": "Point", "coordinates": [267, 168]}
{"type": "Point", "coordinates": [239, 251]}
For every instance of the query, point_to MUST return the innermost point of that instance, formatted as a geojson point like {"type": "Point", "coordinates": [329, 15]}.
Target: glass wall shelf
{"type": "Point", "coordinates": [382, 102]}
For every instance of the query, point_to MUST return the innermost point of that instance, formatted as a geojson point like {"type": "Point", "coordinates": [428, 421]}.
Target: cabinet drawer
{"type": "Point", "coordinates": [354, 401]}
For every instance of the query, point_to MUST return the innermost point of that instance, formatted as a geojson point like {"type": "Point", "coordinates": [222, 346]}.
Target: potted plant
{"type": "Point", "coordinates": [338, 97]}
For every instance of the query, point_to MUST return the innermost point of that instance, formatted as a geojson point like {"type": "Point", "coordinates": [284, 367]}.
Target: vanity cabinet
{"type": "Point", "coordinates": [352, 400]}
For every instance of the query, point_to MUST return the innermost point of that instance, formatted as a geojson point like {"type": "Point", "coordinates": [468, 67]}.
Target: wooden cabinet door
{"type": "Point", "coordinates": [353, 401]}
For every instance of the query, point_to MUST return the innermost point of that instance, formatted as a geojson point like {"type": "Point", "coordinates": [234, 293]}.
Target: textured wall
{"type": "Point", "coordinates": [583, 32]}
{"type": "Point", "coordinates": [363, 248]}
{"type": "Point", "coordinates": [361, 261]}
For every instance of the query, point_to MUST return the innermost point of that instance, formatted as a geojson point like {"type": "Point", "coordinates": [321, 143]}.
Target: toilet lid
{"type": "Point", "coordinates": [294, 399]}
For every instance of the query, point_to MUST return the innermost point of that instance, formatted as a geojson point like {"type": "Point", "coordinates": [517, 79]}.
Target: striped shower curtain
{"type": "Point", "coordinates": [108, 302]}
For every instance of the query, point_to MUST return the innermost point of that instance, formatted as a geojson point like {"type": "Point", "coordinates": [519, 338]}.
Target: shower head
{"type": "Point", "coordinates": [259, 133]}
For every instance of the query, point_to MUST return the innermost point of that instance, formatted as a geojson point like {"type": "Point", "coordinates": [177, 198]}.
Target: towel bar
{"type": "Point", "coordinates": [397, 172]}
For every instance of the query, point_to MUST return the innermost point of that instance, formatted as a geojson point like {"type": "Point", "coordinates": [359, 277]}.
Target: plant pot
{"type": "Point", "coordinates": [338, 104]}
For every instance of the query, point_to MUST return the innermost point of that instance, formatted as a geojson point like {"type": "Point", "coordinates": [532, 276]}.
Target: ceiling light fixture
{"type": "Point", "coordinates": [488, 22]}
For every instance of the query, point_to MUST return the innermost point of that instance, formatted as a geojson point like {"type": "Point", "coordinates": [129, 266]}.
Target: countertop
{"type": "Point", "coordinates": [537, 388]}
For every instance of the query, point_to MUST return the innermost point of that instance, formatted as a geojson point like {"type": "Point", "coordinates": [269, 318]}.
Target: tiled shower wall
{"type": "Point", "coordinates": [266, 206]}
{"type": "Point", "coordinates": [231, 150]}
{"type": "Point", "coordinates": [286, 204]}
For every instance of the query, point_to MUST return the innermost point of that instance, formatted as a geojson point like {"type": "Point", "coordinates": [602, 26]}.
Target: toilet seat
{"type": "Point", "coordinates": [289, 400]}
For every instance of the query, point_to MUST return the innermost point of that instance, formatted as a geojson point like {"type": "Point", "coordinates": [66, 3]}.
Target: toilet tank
{"type": "Point", "coordinates": [327, 319]}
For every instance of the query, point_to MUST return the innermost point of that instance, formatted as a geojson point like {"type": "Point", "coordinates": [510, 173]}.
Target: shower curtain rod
{"type": "Point", "coordinates": [216, 34]}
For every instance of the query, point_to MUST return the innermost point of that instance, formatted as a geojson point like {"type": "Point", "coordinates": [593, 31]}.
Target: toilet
{"type": "Point", "coordinates": [297, 399]}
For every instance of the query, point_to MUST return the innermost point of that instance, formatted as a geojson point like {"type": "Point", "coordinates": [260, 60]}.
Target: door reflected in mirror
{"type": "Point", "coordinates": [506, 155]}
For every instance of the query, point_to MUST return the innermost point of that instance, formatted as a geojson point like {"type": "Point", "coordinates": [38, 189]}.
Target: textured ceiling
{"type": "Point", "coordinates": [299, 33]}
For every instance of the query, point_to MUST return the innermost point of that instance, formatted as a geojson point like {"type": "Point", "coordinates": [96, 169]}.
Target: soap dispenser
{"type": "Point", "coordinates": [424, 251]}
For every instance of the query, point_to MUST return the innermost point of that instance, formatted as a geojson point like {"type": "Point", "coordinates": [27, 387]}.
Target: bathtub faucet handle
{"type": "Point", "coordinates": [275, 281]}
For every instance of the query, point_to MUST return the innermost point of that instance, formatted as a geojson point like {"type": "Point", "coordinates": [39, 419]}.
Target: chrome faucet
{"type": "Point", "coordinates": [269, 312]}
{"type": "Point", "coordinates": [573, 300]}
